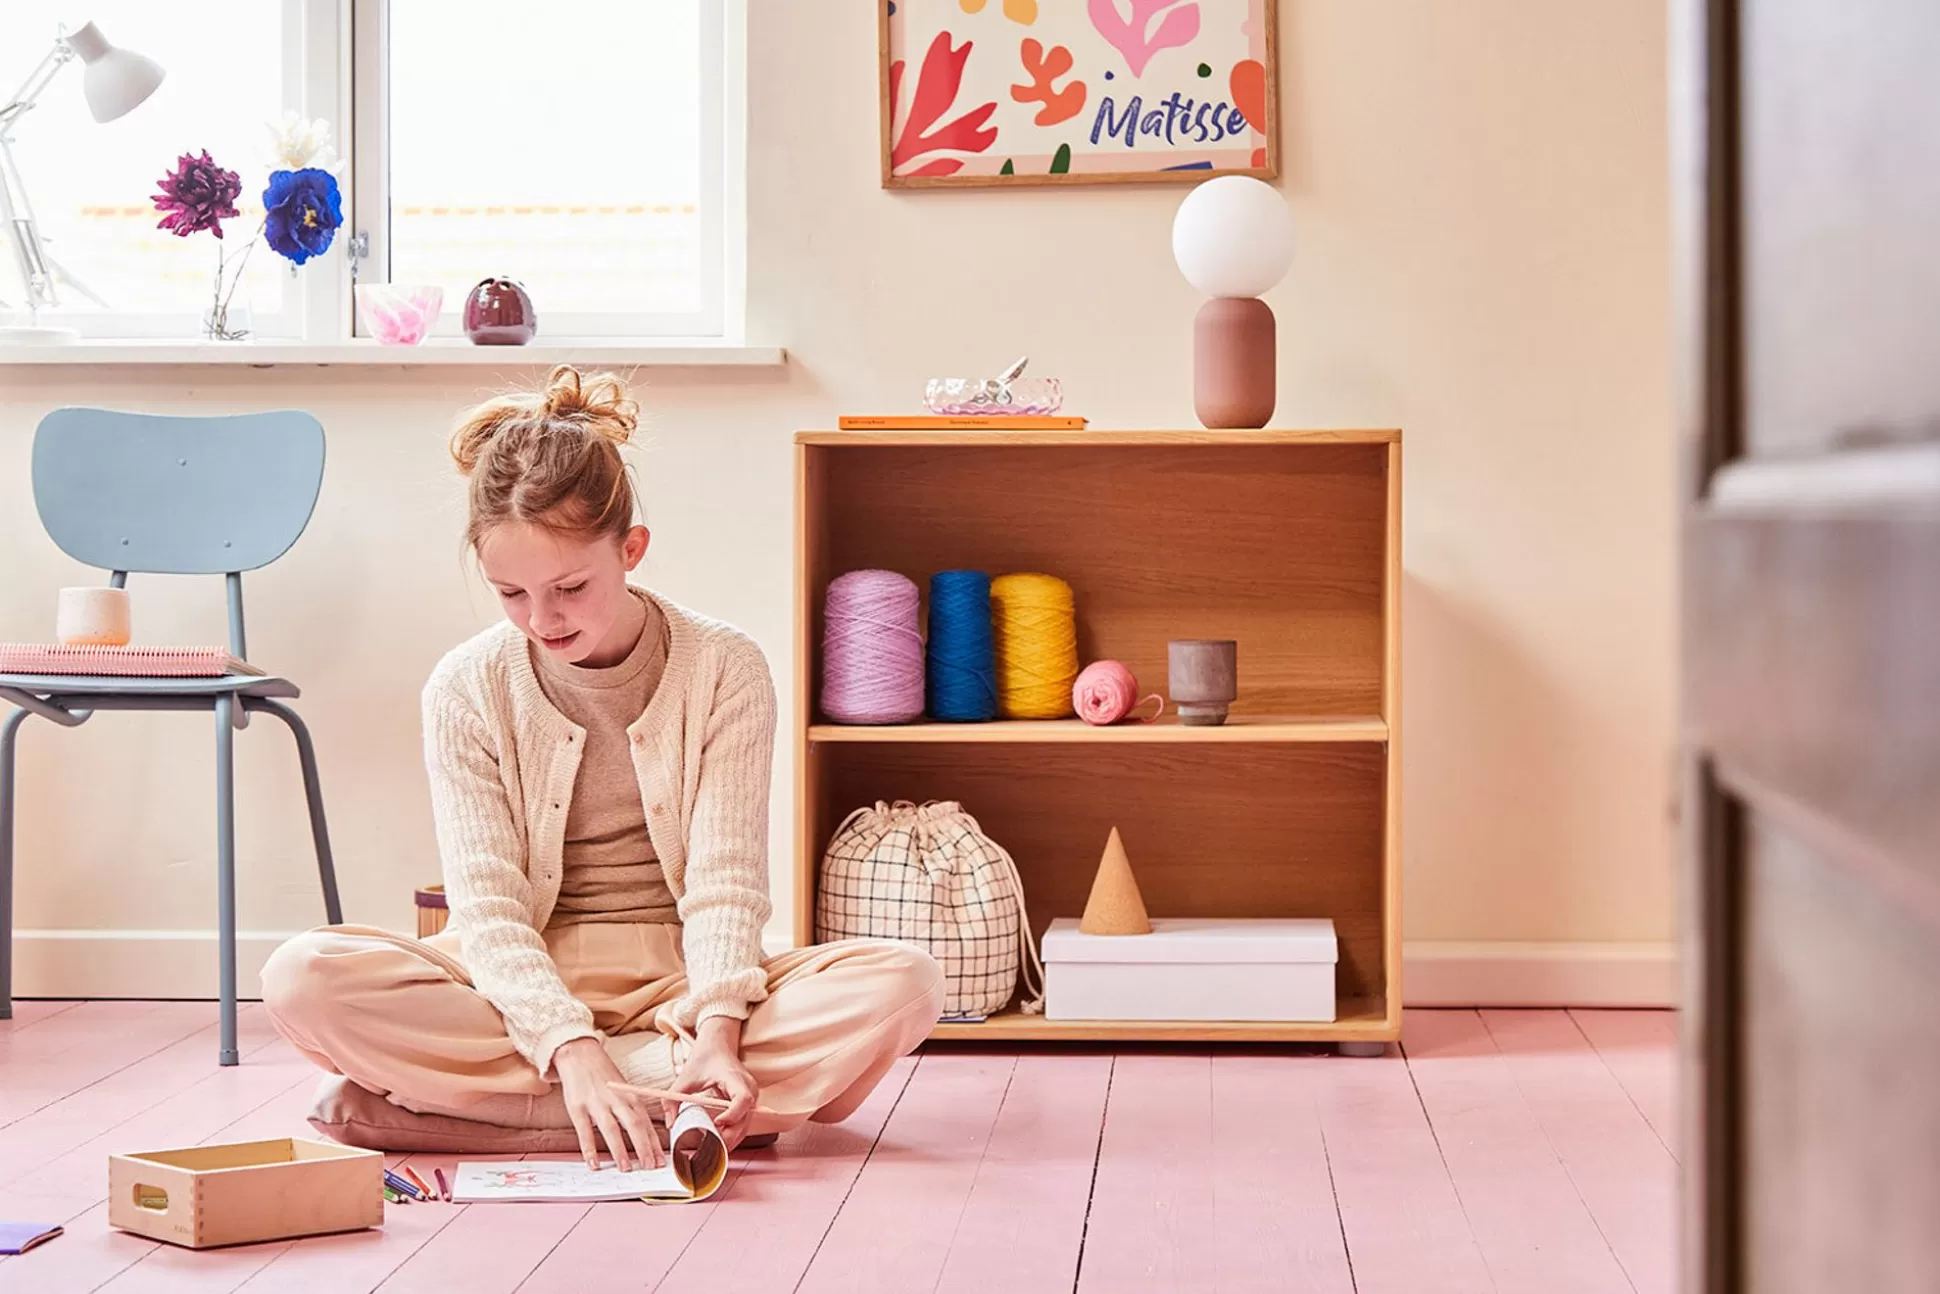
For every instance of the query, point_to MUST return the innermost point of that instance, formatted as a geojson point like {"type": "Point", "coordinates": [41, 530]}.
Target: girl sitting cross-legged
{"type": "Point", "coordinates": [599, 766]}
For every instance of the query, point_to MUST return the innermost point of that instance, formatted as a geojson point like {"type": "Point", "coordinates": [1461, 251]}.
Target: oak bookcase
{"type": "Point", "coordinates": [1288, 541]}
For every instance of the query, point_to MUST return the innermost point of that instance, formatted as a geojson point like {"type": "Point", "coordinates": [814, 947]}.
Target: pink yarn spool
{"type": "Point", "coordinates": [872, 649]}
{"type": "Point", "coordinates": [1105, 692]}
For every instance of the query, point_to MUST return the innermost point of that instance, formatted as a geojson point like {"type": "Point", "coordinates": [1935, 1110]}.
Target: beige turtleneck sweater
{"type": "Point", "coordinates": [503, 761]}
{"type": "Point", "coordinates": [609, 870]}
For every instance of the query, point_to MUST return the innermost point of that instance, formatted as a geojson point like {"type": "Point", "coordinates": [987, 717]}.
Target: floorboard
{"type": "Point", "coordinates": [1403, 1222]}
{"type": "Point", "coordinates": [1534, 1230]}
{"type": "Point", "coordinates": [895, 1229]}
{"type": "Point", "coordinates": [765, 1236]}
{"type": "Point", "coordinates": [1275, 1224]}
{"type": "Point", "coordinates": [485, 1248]}
{"type": "Point", "coordinates": [1622, 1171]}
{"type": "Point", "coordinates": [31, 1013]}
{"type": "Point", "coordinates": [113, 1107]}
{"type": "Point", "coordinates": [1640, 1049]}
{"type": "Point", "coordinates": [1151, 1205]}
{"type": "Point", "coordinates": [1510, 1150]}
{"type": "Point", "coordinates": [619, 1247]}
{"type": "Point", "coordinates": [74, 1050]}
{"type": "Point", "coordinates": [1022, 1225]}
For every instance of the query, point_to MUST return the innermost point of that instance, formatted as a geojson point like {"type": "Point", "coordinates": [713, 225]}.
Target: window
{"type": "Point", "coordinates": [582, 147]}
{"type": "Point", "coordinates": [90, 183]}
{"type": "Point", "coordinates": [560, 144]}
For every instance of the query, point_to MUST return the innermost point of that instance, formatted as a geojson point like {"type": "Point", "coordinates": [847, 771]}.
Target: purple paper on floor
{"type": "Point", "coordinates": [19, 1237]}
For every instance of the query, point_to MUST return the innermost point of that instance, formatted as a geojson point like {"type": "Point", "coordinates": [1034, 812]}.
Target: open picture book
{"type": "Point", "coordinates": [695, 1166]}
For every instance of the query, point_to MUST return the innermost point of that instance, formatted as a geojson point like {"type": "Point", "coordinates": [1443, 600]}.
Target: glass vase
{"type": "Point", "coordinates": [230, 322]}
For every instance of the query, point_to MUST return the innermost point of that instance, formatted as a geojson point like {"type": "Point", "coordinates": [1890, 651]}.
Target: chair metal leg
{"type": "Point", "coordinates": [226, 873]}
{"type": "Point", "coordinates": [306, 754]}
{"type": "Point", "coordinates": [9, 729]}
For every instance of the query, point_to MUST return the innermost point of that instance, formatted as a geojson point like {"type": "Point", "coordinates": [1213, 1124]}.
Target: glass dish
{"type": "Point", "coordinates": [987, 397]}
{"type": "Point", "coordinates": [399, 314]}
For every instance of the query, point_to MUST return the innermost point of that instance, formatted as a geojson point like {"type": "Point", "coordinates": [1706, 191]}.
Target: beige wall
{"type": "Point", "coordinates": [1479, 191]}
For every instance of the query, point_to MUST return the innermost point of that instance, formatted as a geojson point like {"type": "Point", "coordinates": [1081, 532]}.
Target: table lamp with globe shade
{"type": "Point", "coordinates": [1233, 240]}
{"type": "Point", "coordinates": [116, 82]}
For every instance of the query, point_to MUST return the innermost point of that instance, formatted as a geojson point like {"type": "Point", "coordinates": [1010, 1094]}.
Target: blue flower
{"type": "Point", "coordinates": [304, 211]}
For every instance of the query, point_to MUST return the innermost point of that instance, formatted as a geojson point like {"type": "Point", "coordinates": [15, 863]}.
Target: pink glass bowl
{"type": "Point", "coordinates": [399, 314]}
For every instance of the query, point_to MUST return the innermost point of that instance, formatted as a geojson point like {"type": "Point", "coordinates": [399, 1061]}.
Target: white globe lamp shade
{"type": "Point", "coordinates": [116, 80]}
{"type": "Point", "coordinates": [1233, 237]}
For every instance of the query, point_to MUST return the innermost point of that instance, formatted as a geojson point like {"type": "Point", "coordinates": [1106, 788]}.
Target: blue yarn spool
{"type": "Point", "coordinates": [961, 673]}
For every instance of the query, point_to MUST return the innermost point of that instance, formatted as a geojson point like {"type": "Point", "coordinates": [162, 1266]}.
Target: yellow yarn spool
{"type": "Point", "coordinates": [1035, 630]}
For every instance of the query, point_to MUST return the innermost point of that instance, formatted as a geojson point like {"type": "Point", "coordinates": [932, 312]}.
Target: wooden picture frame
{"type": "Point", "coordinates": [996, 93]}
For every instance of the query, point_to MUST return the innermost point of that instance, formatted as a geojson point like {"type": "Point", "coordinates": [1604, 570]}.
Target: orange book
{"type": "Point", "coordinates": [937, 422]}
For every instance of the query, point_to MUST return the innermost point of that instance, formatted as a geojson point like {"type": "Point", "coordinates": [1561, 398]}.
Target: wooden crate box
{"type": "Point", "coordinates": [245, 1192]}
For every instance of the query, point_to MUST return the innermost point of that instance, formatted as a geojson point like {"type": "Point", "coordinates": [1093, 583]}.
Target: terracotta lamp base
{"type": "Point", "coordinates": [1233, 363]}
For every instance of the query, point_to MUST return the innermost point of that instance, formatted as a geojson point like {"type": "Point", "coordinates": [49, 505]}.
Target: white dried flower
{"type": "Point", "coordinates": [296, 143]}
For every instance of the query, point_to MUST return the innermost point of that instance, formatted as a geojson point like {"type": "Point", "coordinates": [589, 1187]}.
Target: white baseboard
{"type": "Point", "coordinates": [182, 964]}
{"type": "Point", "coordinates": [134, 963]}
{"type": "Point", "coordinates": [1511, 973]}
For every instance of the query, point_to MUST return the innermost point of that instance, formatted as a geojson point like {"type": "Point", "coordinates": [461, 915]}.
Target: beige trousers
{"type": "Point", "coordinates": [400, 1017]}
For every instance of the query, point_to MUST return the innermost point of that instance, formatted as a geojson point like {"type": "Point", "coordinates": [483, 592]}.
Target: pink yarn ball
{"type": "Point", "coordinates": [1106, 691]}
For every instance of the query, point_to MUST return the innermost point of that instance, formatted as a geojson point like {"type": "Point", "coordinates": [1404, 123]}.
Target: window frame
{"type": "Point", "coordinates": [722, 201]}
{"type": "Point", "coordinates": [310, 86]}
{"type": "Point", "coordinates": [333, 69]}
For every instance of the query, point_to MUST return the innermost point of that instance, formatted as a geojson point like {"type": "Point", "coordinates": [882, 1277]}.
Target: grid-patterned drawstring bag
{"type": "Point", "coordinates": [928, 875]}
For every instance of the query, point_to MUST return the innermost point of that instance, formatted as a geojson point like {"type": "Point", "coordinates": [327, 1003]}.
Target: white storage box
{"type": "Point", "coordinates": [1193, 968]}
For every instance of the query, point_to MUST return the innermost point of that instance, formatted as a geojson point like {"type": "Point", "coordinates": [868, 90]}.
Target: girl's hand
{"type": "Point", "coordinates": [584, 1071]}
{"type": "Point", "coordinates": [714, 1067]}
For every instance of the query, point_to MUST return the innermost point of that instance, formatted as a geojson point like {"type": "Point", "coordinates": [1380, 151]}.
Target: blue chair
{"type": "Point", "coordinates": [143, 493]}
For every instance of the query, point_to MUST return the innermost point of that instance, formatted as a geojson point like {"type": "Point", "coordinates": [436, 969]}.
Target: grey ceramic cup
{"type": "Point", "coordinates": [1203, 678]}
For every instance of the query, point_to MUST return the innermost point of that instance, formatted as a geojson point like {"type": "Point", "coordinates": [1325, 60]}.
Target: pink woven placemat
{"type": "Point", "coordinates": [168, 662]}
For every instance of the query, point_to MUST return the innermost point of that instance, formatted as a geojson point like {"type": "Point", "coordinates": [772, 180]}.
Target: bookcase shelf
{"type": "Point", "coordinates": [1286, 541]}
{"type": "Point", "coordinates": [1357, 1020]}
{"type": "Point", "coordinates": [1239, 728]}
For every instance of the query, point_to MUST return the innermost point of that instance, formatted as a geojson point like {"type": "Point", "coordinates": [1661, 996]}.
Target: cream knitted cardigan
{"type": "Point", "coordinates": [502, 762]}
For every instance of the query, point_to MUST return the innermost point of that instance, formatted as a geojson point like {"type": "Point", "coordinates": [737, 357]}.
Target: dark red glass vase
{"type": "Point", "coordinates": [499, 313]}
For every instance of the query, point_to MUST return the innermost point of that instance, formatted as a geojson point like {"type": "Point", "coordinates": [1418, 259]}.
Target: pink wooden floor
{"type": "Point", "coordinates": [1505, 1150]}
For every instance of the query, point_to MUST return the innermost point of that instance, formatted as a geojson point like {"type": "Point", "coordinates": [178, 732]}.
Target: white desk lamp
{"type": "Point", "coordinates": [116, 81]}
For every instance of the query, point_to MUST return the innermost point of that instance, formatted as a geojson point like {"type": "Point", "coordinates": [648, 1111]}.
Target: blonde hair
{"type": "Point", "coordinates": [551, 457]}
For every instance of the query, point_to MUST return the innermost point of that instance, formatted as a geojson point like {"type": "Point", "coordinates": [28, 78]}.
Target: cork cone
{"type": "Point", "coordinates": [1115, 907]}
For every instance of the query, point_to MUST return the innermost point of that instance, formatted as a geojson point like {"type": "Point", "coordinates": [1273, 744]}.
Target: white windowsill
{"type": "Point", "coordinates": [662, 352]}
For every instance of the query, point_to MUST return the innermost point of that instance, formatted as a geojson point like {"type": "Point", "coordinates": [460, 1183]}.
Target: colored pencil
{"type": "Point", "coordinates": [391, 1195]}
{"type": "Point", "coordinates": [423, 1186]}
{"type": "Point", "coordinates": [444, 1187]}
{"type": "Point", "coordinates": [714, 1103]}
{"type": "Point", "coordinates": [400, 1185]}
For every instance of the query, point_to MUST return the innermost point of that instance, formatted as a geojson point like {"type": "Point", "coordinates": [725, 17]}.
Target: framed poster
{"type": "Point", "coordinates": [1000, 92]}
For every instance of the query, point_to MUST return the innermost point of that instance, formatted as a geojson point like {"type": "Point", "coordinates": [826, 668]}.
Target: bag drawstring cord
{"type": "Point", "coordinates": [1033, 1005]}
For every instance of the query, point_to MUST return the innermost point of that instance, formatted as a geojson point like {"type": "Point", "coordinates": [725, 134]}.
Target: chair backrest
{"type": "Point", "coordinates": [179, 496]}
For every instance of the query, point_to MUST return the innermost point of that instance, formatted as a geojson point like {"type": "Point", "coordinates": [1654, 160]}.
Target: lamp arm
{"type": "Point", "coordinates": [16, 212]}
{"type": "Point", "coordinates": [17, 220]}
{"type": "Point", "coordinates": [37, 81]}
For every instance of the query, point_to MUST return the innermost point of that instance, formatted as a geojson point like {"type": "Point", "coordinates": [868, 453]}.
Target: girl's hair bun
{"type": "Point", "coordinates": [598, 401]}
{"type": "Point", "coordinates": [551, 457]}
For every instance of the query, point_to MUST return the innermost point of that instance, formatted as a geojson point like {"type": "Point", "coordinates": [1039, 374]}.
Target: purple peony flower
{"type": "Point", "coordinates": [197, 195]}
{"type": "Point", "coordinates": [304, 210]}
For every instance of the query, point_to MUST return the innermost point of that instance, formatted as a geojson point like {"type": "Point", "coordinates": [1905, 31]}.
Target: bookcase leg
{"type": "Point", "coordinates": [1362, 1048]}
